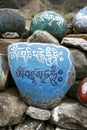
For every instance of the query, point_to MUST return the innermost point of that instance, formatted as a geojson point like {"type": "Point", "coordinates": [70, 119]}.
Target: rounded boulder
{"type": "Point", "coordinates": [51, 22]}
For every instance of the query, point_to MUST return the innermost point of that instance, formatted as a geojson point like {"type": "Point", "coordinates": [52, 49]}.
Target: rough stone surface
{"type": "Point", "coordinates": [11, 21]}
{"type": "Point", "coordinates": [80, 21]}
{"type": "Point", "coordinates": [49, 127]}
{"type": "Point", "coordinates": [12, 108]}
{"type": "Point", "coordinates": [84, 36]}
{"type": "Point", "coordinates": [39, 114]}
{"type": "Point", "coordinates": [60, 129]}
{"type": "Point", "coordinates": [51, 22]}
{"type": "Point", "coordinates": [70, 114]}
{"type": "Point", "coordinates": [80, 62]}
{"type": "Point", "coordinates": [43, 37]}
{"type": "Point", "coordinates": [31, 124]}
{"type": "Point", "coordinates": [47, 72]}
{"type": "Point", "coordinates": [72, 93]}
{"type": "Point", "coordinates": [5, 42]}
{"type": "Point", "coordinates": [75, 42]}
{"type": "Point", "coordinates": [4, 71]}
{"type": "Point", "coordinates": [11, 35]}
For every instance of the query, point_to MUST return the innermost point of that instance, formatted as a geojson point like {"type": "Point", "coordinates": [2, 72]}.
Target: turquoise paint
{"type": "Point", "coordinates": [51, 22]}
{"type": "Point", "coordinates": [11, 23]}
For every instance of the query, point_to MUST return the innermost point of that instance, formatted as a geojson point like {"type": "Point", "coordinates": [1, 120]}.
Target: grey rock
{"type": "Point", "coordinates": [5, 42]}
{"type": "Point", "coordinates": [4, 70]}
{"type": "Point", "coordinates": [49, 127]}
{"type": "Point", "coordinates": [11, 35]}
{"type": "Point", "coordinates": [12, 108]}
{"type": "Point", "coordinates": [60, 129]}
{"type": "Point", "coordinates": [31, 124]}
{"type": "Point", "coordinates": [78, 43]}
{"type": "Point", "coordinates": [3, 128]}
{"type": "Point", "coordinates": [72, 93]}
{"type": "Point", "coordinates": [80, 63]}
{"type": "Point", "coordinates": [38, 113]}
{"type": "Point", "coordinates": [43, 37]}
{"type": "Point", "coordinates": [70, 114]}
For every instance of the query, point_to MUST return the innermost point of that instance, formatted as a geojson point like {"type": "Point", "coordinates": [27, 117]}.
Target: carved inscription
{"type": "Point", "coordinates": [50, 17]}
{"type": "Point", "coordinates": [52, 75]}
{"type": "Point", "coordinates": [48, 56]}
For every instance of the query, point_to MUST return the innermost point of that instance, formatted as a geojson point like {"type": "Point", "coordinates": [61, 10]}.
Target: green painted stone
{"type": "Point", "coordinates": [51, 22]}
{"type": "Point", "coordinates": [11, 21]}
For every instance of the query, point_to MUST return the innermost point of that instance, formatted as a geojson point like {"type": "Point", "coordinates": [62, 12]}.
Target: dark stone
{"type": "Point", "coordinates": [11, 21]}
{"type": "Point", "coordinates": [51, 22]}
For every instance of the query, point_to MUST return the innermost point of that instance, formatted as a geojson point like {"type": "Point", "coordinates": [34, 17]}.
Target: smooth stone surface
{"type": "Point", "coordinates": [31, 124]}
{"type": "Point", "coordinates": [51, 22]}
{"type": "Point", "coordinates": [4, 70]}
{"type": "Point", "coordinates": [12, 108]}
{"type": "Point", "coordinates": [80, 21]}
{"type": "Point", "coordinates": [39, 114]}
{"type": "Point", "coordinates": [70, 114]}
{"type": "Point", "coordinates": [11, 21]}
{"type": "Point", "coordinates": [42, 72]}
{"type": "Point", "coordinates": [43, 37]}
{"type": "Point", "coordinates": [82, 91]}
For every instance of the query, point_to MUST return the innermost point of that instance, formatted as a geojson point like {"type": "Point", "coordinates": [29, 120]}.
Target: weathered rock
{"type": "Point", "coordinates": [75, 42]}
{"type": "Point", "coordinates": [43, 37]}
{"type": "Point", "coordinates": [4, 70]}
{"type": "Point", "coordinates": [70, 114]}
{"type": "Point", "coordinates": [51, 22]}
{"type": "Point", "coordinates": [80, 21]}
{"type": "Point", "coordinates": [11, 35]}
{"type": "Point", "coordinates": [80, 63]}
{"type": "Point", "coordinates": [84, 36]}
{"type": "Point", "coordinates": [3, 128]}
{"type": "Point", "coordinates": [11, 21]}
{"type": "Point", "coordinates": [72, 93]}
{"type": "Point", "coordinates": [31, 124]}
{"type": "Point", "coordinates": [43, 72]}
{"type": "Point", "coordinates": [60, 129]}
{"type": "Point", "coordinates": [39, 114]}
{"type": "Point", "coordinates": [12, 108]}
{"type": "Point", "coordinates": [49, 127]}
{"type": "Point", "coordinates": [5, 42]}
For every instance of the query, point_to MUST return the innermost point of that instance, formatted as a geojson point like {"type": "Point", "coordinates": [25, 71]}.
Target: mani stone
{"type": "Point", "coordinates": [43, 73]}
{"type": "Point", "coordinates": [4, 71]}
{"type": "Point", "coordinates": [11, 21]}
{"type": "Point", "coordinates": [51, 22]}
{"type": "Point", "coordinates": [80, 21]}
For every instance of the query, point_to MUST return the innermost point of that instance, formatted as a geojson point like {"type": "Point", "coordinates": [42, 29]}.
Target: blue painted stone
{"type": "Point", "coordinates": [80, 21]}
{"type": "Point", "coordinates": [42, 72]}
{"type": "Point", "coordinates": [11, 21]}
{"type": "Point", "coordinates": [49, 21]}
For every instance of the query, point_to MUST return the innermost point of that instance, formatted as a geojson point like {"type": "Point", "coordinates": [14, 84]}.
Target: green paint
{"type": "Point", "coordinates": [11, 22]}
{"type": "Point", "coordinates": [51, 22]}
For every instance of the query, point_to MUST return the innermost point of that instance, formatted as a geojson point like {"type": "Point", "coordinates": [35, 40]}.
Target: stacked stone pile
{"type": "Point", "coordinates": [68, 114]}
